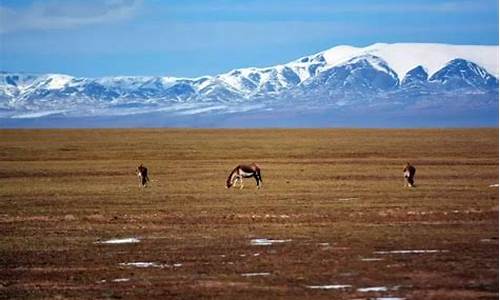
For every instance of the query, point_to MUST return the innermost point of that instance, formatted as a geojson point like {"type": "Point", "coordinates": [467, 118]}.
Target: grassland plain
{"type": "Point", "coordinates": [333, 202]}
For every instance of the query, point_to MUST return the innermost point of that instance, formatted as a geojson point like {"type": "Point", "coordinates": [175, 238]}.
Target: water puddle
{"type": "Point", "coordinates": [119, 241]}
{"type": "Point", "coordinates": [330, 287]}
{"type": "Point", "coordinates": [267, 242]}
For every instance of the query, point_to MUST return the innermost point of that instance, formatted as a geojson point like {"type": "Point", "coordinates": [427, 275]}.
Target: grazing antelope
{"type": "Point", "coordinates": [244, 171]}
{"type": "Point", "coordinates": [142, 173]}
{"type": "Point", "coordinates": [409, 175]}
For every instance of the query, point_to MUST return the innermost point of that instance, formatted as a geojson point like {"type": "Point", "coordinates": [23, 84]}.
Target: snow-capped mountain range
{"type": "Point", "coordinates": [404, 74]}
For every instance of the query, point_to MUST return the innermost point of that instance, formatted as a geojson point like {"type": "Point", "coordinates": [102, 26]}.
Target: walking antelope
{"type": "Point", "coordinates": [409, 175]}
{"type": "Point", "coordinates": [142, 173]}
{"type": "Point", "coordinates": [244, 171]}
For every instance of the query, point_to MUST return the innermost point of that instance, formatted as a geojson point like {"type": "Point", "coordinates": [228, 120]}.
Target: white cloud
{"type": "Point", "coordinates": [58, 14]}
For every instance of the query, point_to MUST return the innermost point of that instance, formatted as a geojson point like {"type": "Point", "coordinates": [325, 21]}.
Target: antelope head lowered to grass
{"type": "Point", "coordinates": [409, 175]}
{"type": "Point", "coordinates": [244, 171]}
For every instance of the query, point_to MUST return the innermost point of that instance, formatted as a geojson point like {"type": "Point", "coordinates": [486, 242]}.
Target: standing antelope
{"type": "Point", "coordinates": [244, 171]}
{"type": "Point", "coordinates": [409, 175]}
{"type": "Point", "coordinates": [142, 173]}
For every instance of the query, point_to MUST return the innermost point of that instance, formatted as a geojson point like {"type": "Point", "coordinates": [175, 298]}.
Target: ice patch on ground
{"type": "Point", "coordinates": [267, 242]}
{"type": "Point", "coordinates": [494, 185]}
{"type": "Point", "coordinates": [330, 287]}
{"type": "Point", "coordinates": [116, 280]}
{"type": "Point", "coordinates": [371, 259]}
{"type": "Point", "coordinates": [144, 265]}
{"type": "Point", "coordinates": [489, 240]}
{"type": "Point", "coordinates": [410, 251]}
{"type": "Point", "coordinates": [373, 289]}
{"type": "Point", "coordinates": [120, 241]}
{"type": "Point", "coordinates": [255, 274]}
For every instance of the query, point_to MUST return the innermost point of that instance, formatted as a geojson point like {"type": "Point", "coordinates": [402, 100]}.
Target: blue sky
{"type": "Point", "coordinates": [192, 38]}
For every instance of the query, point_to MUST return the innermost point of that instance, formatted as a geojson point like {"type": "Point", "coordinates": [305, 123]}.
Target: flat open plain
{"type": "Point", "coordinates": [333, 220]}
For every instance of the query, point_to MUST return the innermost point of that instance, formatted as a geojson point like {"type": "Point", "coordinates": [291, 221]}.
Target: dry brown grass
{"type": "Point", "coordinates": [336, 194]}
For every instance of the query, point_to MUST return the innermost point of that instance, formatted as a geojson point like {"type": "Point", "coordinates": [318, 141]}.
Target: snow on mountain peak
{"type": "Point", "coordinates": [400, 58]}
{"type": "Point", "coordinates": [57, 81]}
{"type": "Point", "coordinates": [403, 57]}
{"type": "Point", "coordinates": [339, 54]}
